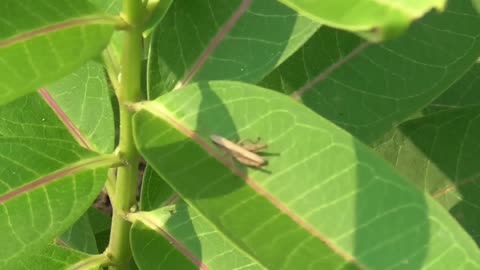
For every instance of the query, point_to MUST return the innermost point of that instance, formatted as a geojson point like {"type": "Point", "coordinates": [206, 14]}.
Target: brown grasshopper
{"type": "Point", "coordinates": [244, 153]}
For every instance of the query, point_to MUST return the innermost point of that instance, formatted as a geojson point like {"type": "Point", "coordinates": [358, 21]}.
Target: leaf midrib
{"type": "Point", "coordinates": [85, 164]}
{"type": "Point", "coordinates": [86, 20]}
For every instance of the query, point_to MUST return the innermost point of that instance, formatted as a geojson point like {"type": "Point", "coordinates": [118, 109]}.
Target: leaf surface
{"type": "Point", "coordinates": [158, 12]}
{"type": "Point", "coordinates": [324, 201]}
{"type": "Point", "coordinates": [370, 91]}
{"type": "Point", "coordinates": [155, 191]}
{"type": "Point", "coordinates": [476, 5]}
{"type": "Point", "coordinates": [84, 99]}
{"type": "Point", "coordinates": [386, 18]}
{"type": "Point", "coordinates": [43, 40]}
{"type": "Point", "coordinates": [48, 182]}
{"type": "Point", "coordinates": [145, 244]}
{"type": "Point", "coordinates": [236, 40]}
{"type": "Point", "coordinates": [464, 93]}
{"type": "Point", "coordinates": [438, 151]}
{"type": "Point", "coordinates": [101, 224]}
{"type": "Point", "coordinates": [80, 236]}
{"type": "Point", "coordinates": [51, 257]}
{"type": "Point", "coordinates": [113, 51]}
{"type": "Point", "coordinates": [186, 238]}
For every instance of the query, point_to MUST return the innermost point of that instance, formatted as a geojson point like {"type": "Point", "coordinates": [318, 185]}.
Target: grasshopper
{"type": "Point", "coordinates": [242, 152]}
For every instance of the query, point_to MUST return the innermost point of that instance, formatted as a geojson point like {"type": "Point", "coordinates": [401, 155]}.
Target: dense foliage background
{"type": "Point", "coordinates": [368, 108]}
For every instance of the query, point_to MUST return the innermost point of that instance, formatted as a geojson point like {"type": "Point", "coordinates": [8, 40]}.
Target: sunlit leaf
{"type": "Point", "coordinates": [227, 39]}
{"type": "Point", "coordinates": [324, 200]}
{"type": "Point", "coordinates": [51, 257]}
{"type": "Point", "coordinates": [439, 151]}
{"type": "Point", "coordinates": [385, 19]}
{"type": "Point", "coordinates": [186, 238]}
{"type": "Point", "coordinates": [48, 182]}
{"type": "Point", "coordinates": [381, 85]}
{"type": "Point", "coordinates": [84, 98]}
{"type": "Point", "coordinates": [43, 40]}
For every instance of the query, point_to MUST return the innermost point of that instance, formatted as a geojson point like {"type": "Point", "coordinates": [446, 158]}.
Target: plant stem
{"type": "Point", "coordinates": [126, 184]}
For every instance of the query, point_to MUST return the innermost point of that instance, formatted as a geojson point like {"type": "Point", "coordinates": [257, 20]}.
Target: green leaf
{"type": "Point", "coordinates": [49, 180]}
{"type": "Point", "coordinates": [100, 222]}
{"type": "Point", "coordinates": [438, 151]}
{"type": "Point", "coordinates": [476, 5]}
{"type": "Point", "coordinates": [111, 7]}
{"type": "Point", "coordinates": [114, 8]}
{"type": "Point", "coordinates": [234, 40]}
{"type": "Point", "coordinates": [80, 236]}
{"type": "Point", "coordinates": [160, 8]}
{"type": "Point", "coordinates": [84, 99]}
{"type": "Point", "coordinates": [155, 191]}
{"type": "Point", "coordinates": [48, 185]}
{"type": "Point", "coordinates": [369, 91]}
{"type": "Point", "coordinates": [101, 225]}
{"type": "Point", "coordinates": [325, 201]}
{"type": "Point", "coordinates": [31, 116]}
{"type": "Point", "coordinates": [439, 154]}
{"type": "Point", "coordinates": [51, 257]}
{"type": "Point", "coordinates": [386, 19]}
{"type": "Point", "coordinates": [186, 238]}
{"type": "Point", "coordinates": [464, 93]}
{"type": "Point", "coordinates": [145, 246]}
{"type": "Point", "coordinates": [43, 40]}
{"type": "Point", "coordinates": [146, 243]}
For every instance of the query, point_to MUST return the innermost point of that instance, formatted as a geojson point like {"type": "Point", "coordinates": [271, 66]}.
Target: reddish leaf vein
{"type": "Point", "coordinates": [329, 70]}
{"type": "Point", "coordinates": [65, 119]}
{"type": "Point", "coordinates": [215, 42]}
{"type": "Point", "coordinates": [56, 27]}
{"type": "Point", "coordinates": [156, 110]}
{"type": "Point", "coordinates": [49, 178]}
{"type": "Point", "coordinates": [178, 245]}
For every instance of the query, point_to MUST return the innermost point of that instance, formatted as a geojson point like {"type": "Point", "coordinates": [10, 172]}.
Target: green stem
{"type": "Point", "coordinates": [126, 183]}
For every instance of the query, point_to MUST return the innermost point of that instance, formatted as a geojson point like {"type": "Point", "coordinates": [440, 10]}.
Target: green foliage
{"type": "Point", "coordinates": [383, 19]}
{"type": "Point", "coordinates": [438, 150]}
{"type": "Point", "coordinates": [41, 41]}
{"type": "Point", "coordinates": [49, 180]}
{"type": "Point", "coordinates": [255, 43]}
{"type": "Point", "coordinates": [49, 257]}
{"type": "Point", "coordinates": [80, 236]}
{"type": "Point", "coordinates": [368, 109]}
{"type": "Point", "coordinates": [408, 73]}
{"type": "Point", "coordinates": [332, 165]}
